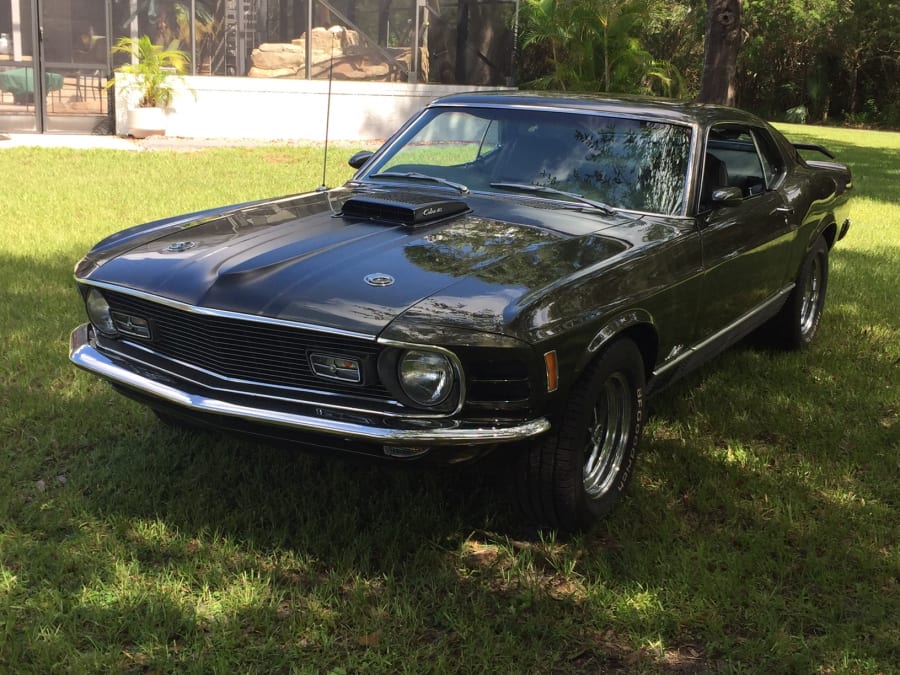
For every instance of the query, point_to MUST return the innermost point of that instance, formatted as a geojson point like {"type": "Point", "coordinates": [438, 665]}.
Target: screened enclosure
{"type": "Point", "coordinates": [442, 41]}
{"type": "Point", "coordinates": [59, 82]}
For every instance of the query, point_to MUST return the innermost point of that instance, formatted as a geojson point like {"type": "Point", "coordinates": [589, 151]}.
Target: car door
{"type": "Point", "coordinates": [746, 245]}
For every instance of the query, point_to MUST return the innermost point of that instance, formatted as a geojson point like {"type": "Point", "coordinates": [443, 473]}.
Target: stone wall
{"type": "Point", "coordinates": [339, 53]}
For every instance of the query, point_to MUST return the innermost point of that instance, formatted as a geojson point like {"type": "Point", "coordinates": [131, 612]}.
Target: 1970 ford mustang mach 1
{"type": "Point", "coordinates": [509, 272]}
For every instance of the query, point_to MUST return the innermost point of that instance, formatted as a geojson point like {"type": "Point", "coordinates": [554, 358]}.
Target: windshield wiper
{"type": "Point", "coordinates": [524, 187]}
{"type": "Point", "coordinates": [415, 175]}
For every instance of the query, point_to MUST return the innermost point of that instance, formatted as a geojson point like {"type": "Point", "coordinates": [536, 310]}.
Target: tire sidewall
{"type": "Point", "coordinates": [819, 251]}
{"type": "Point", "coordinates": [624, 358]}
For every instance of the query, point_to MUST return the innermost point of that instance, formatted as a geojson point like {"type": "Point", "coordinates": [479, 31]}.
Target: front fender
{"type": "Point", "coordinates": [636, 324]}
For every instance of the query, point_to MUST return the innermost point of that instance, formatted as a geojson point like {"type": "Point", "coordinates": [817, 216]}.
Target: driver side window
{"type": "Point", "coordinates": [733, 151]}
{"type": "Point", "coordinates": [772, 162]}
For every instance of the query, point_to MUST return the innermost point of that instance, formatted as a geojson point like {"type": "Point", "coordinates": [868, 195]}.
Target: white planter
{"type": "Point", "coordinates": [143, 122]}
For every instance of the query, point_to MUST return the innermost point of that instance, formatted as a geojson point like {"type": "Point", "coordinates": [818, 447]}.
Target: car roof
{"type": "Point", "coordinates": [670, 110]}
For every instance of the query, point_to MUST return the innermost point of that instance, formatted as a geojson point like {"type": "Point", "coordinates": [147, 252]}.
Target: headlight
{"type": "Point", "coordinates": [98, 312]}
{"type": "Point", "coordinates": [426, 377]}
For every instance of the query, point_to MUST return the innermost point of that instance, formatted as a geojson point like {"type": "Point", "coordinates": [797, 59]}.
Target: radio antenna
{"type": "Point", "coordinates": [324, 187]}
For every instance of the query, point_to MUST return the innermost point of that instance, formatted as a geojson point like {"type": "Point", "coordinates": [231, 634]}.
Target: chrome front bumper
{"type": "Point", "coordinates": [449, 432]}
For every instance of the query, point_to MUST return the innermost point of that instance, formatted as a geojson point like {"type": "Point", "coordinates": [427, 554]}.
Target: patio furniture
{"type": "Point", "coordinates": [20, 83]}
{"type": "Point", "coordinates": [90, 78]}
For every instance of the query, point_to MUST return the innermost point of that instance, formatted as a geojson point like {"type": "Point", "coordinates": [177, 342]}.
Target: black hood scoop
{"type": "Point", "coordinates": [411, 209]}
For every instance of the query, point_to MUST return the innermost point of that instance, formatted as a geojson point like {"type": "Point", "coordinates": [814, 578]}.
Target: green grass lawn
{"type": "Point", "coordinates": [760, 534]}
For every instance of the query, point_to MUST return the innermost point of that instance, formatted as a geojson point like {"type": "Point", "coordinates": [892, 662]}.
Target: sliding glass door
{"type": "Point", "coordinates": [54, 65]}
{"type": "Point", "coordinates": [20, 94]}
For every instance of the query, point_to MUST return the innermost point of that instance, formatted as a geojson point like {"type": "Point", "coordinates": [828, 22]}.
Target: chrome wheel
{"type": "Point", "coordinates": [610, 435]}
{"type": "Point", "coordinates": [576, 473]}
{"type": "Point", "coordinates": [810, 304]}
{"type": "Point", "coordinates": [797, 322]}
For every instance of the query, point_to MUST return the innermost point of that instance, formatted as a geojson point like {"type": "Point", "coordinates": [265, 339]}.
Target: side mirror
{"type": "Point", "coordinates": [359, 160]}
{"type": "Point", "coordinates": [727, 196]}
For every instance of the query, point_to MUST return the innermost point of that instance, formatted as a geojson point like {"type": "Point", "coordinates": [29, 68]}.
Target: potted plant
{"type": "Point", "coordinates": [153, 73]}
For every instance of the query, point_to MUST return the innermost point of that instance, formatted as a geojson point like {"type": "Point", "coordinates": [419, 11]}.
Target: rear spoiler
{"type": "Point", "coordinates": [813, 146]}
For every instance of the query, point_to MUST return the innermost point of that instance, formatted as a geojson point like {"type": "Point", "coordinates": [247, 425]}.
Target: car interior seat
{"type": "Point", "coordinates": [715, 176]}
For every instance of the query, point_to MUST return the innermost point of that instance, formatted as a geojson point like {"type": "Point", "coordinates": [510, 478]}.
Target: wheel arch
{"type": "Point", "coordinates": [636, 325]}
{"type": "Point", "coordinates": [829, 233]}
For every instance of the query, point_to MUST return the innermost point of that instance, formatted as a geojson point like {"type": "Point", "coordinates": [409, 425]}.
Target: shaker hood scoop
{"type": "Point", "coordinates": [409, 209]}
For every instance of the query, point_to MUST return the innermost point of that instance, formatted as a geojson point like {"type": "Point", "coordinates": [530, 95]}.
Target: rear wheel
{"type": "Point", "coordinates": [576, 473]}
{"type": "Point", "coordinates": [798, 321]}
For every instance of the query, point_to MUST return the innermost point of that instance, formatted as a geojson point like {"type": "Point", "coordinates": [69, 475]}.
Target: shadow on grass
{"type": "Point", "coordinates": [134, 466]}
{"type": "Point", "coordinates": [755, 532]}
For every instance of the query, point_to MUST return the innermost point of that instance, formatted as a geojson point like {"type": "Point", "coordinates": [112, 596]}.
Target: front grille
{"type": "Point", "coordinates": [252, 351]}
{"type": "Point", "coordinates": [497, 381]}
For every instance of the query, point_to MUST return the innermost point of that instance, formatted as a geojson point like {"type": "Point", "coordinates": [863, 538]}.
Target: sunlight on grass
{"type": "Point", "coordinates": [7, 580]}
{"type": "Point", "coordinates": [759, 536]}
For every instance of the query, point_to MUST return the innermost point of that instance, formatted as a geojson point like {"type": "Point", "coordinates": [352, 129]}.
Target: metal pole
{"type": "Point", "coordinates": [133, 26]}
{"type": "Point", "coordinates": [413, 77]}
{"type": "Point", "coordinates": [309, 27]}
{"type": "Point", "coordinates": [193, 25]}
{"type": "Point", "coordinates": [514, 76]}
{"type": "Point", "coordinates": [240, 40]}
{"type": "Point", "coordinates": [38, 68]}
{"type": "Point", "coordinates": [16, 34]}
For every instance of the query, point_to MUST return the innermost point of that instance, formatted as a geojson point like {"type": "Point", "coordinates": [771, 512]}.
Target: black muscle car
{"type": "Point", "coordinates": [509, 272]}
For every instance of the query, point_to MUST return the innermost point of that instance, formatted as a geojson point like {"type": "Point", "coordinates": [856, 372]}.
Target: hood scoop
{"type": "Point", "coordinates": [411, 209]}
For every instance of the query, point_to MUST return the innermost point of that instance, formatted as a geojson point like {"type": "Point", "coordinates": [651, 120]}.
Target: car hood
{"type": "Point", "coordinates": [299, 259]}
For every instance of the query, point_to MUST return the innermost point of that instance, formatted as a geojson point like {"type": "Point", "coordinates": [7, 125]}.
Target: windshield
{"type": "Point", "coordinates": [626, 163]}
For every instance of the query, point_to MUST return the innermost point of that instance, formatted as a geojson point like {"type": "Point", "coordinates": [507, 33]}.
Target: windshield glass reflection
{"type": "Point", "coordinates": [630, 164]}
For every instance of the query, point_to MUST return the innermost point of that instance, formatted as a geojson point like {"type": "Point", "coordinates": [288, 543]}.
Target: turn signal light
{"type": "Point", "coordinates": [552, 367]}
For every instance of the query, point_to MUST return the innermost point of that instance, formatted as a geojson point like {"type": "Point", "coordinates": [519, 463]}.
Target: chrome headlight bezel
{"type": "Point", "coordinates": [425, 376]}
{"type": "Point", "coordinates": [422, 377]}
{"type": "Point", "coordinates": [99, 313]}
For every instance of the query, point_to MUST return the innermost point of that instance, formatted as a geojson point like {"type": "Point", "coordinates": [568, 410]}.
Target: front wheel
{"type": "Point", "coordinates": [575, 474]}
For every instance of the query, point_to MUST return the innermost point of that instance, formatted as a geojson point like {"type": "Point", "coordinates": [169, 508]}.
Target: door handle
{"type": "Point", "coordinates": [784, 209]}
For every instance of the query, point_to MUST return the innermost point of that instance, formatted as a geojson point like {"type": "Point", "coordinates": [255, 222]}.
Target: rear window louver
{"type": "Point", "coordinates": [406, 208]}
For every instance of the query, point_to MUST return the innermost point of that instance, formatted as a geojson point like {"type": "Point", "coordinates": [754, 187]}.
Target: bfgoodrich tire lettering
{"type": "Point", "coordinates": [577, 473]}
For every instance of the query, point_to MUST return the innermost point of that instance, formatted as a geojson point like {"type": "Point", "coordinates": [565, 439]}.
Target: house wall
{"type": "Point", "coordinates": [237, 107]}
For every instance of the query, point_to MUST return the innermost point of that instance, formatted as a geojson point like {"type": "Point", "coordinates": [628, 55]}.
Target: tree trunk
{"type": "Point", "coordinates": [723, 41]}
{"type": "Point", "coordinates": [462, 39]}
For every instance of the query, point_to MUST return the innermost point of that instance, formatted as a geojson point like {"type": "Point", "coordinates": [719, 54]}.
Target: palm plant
{"type": "Point", "coordinates": [551, 35]}
{"type": "Point", "coordinates": [153, 70]}
{"type": "Point", "coordinates": [592, 45]}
